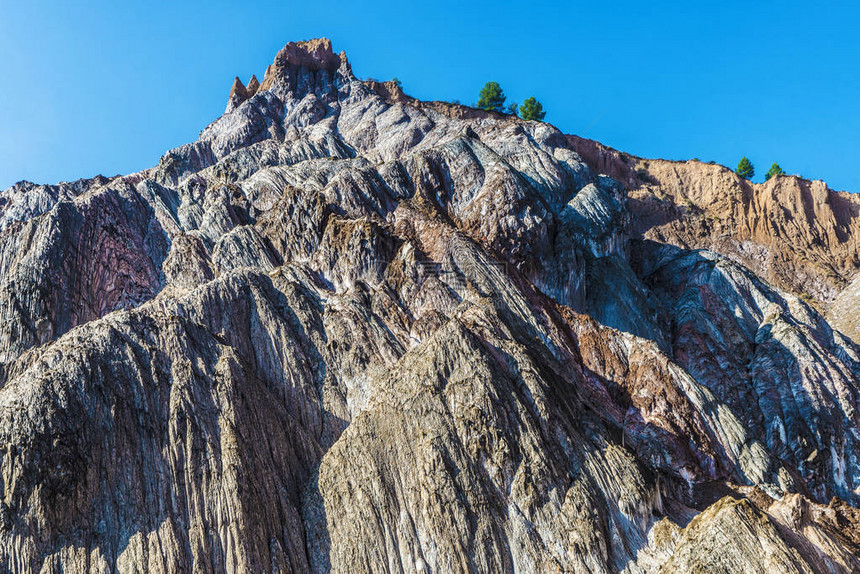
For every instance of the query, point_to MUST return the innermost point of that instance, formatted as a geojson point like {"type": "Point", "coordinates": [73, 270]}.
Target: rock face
{"type": "Point", "coordinates": [798, 235]}
{"type": "Point", "coordinates": [348, 331]}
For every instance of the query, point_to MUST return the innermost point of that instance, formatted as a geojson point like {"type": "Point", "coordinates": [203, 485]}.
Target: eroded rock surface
{"type": "Point", "coordinates": [349, 331]}
{"type": "Point", "coordinates": [798, 235]}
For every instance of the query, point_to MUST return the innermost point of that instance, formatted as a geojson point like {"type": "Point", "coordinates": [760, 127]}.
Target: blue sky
{"type": "Point", "coordinates": [107, 87]}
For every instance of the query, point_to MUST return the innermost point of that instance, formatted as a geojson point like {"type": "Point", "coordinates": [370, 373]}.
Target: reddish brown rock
{"type": "Point", "coordinates": [797, 234]}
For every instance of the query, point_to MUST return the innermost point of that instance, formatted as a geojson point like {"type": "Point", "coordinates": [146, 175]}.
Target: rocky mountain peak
{"type": "Point", "coordinates": [346, 330]}
{"type": "Point", "coordinates": [312, 55]}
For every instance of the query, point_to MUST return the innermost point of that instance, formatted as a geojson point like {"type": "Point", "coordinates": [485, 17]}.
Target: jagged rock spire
{"type": "Point", "coordinates": [253, 86]}
{"type": "Point", "coordinates": [238, 94]}
{"type": "Point", "coordinates": [238, 90]}
{"type": "Point", "coordinates": [314, 54]}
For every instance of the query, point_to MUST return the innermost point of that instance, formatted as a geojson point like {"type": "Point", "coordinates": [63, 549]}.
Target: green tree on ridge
{"type": "Point", "coordinates": [532, 110]}
{"type": "Point", "coordinates": [774, 170]}
{"type": "Point", "coordinates": [492, 98]}
{"type": "Point", "coordinates": [745, 168]}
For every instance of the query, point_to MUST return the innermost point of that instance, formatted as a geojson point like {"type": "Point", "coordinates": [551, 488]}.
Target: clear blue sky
{"type": "Point", "coordinates": [106, 87]}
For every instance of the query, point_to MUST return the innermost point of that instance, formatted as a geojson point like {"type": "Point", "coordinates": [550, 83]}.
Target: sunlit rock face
{"type": "Point", "coordinates": [350, 331]}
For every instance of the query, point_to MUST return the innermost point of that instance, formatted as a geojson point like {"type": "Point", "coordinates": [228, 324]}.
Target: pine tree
{"type": "Point", "coordinates": [532, 110]}
{"type": "Point", "coordinates": [774, 170]}
{"type": "Point", "coordinates": [745, 168]}
{"type": "Point", "coordinates": [492, 97]}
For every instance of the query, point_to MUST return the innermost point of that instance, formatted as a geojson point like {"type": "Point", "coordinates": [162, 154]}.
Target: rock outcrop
{"type": "Point", "coordinates": [349, 331]}
{"type": "Point", "coordinates": [796, 234]}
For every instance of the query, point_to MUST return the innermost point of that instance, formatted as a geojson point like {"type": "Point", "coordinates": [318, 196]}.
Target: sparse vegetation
{"type": "Point", "coordinates": [774, 170]}
{"type": "Point", "coordinates": [745, 168]}
{"type": "Point", "coordinates": [532, 110]}
{"type": "Point", "coordinates": [492, 98]}
{"type": "Point", "coordinates": [397, 82]}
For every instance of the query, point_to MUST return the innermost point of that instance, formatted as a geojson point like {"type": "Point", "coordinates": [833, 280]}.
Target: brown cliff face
{"type": "Point", "coordinates": [349, 331]}
{"type": "Point", "coordinates": [797, 234]}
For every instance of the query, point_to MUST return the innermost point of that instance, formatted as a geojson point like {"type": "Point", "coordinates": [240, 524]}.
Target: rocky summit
{"type": "Point", "coordinates": [350, 331]}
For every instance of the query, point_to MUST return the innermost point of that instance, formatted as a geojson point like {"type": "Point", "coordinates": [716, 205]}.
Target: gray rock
{"type": "Point", "coordinates": [349, 331]}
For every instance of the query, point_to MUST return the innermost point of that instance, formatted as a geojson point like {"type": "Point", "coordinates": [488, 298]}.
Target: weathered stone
{"type": "Point", "coordinates": [346, 330]}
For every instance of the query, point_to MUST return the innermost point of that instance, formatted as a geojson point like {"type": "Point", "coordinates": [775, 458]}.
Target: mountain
{"type": "Point", "coordinates": [349, 331]}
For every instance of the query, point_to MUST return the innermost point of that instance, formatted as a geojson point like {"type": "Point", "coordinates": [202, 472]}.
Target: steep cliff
{"type": "Point", "coordinates": [796, 234]}
{"type": "Point", "coordinates": [349, 331]}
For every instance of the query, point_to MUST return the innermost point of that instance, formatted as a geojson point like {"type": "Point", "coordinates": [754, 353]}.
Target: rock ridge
{"type": "Point", "coordinates": [346, 330]}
